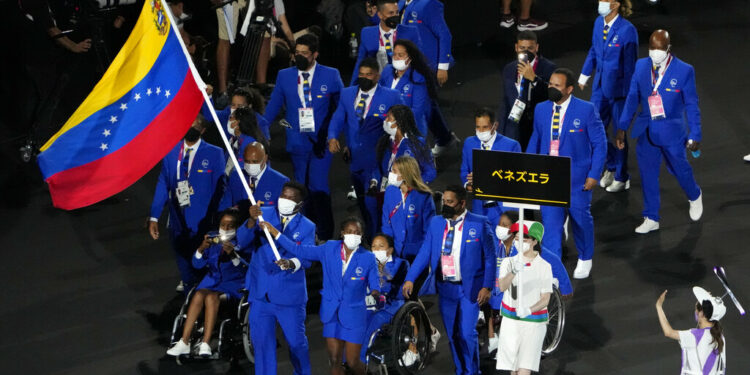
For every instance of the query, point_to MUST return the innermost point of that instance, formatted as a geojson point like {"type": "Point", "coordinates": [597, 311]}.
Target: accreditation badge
{"type": "Point", "coordinates": [656, 107]}
{"type": "Point", "coordinates": [448, 268]}
{"type": "Point", "coordinates": [183, 192]}
{"type": "Point", "coordinates": [517, 111]}
{"type": "Point", "coordinates": [554, 148]}
{"type": "Point", "coordinates": [306, 120]}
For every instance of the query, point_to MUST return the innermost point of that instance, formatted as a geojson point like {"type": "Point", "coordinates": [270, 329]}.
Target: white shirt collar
{"type": "Point", "coordinates": [311, 70]}
{"type": "Point", "coordinates": [262, 171]}
{"type": "Point", "coordinates": [610, 23]}
{"type": "Point", "coordinates": [460, 217]}
{"type": "Point", "coordinates": [564, 105]}
{"type": "Point", "coordinates": [491, 141]}
{"type": "Point", "coordinates": [383, 32]}
{"type": "Point", "coordinates": [370, 92]}
{"type": "Point", "coordinates": [194, 147]}
{"type": "Point", "coordinates": [289, 218]}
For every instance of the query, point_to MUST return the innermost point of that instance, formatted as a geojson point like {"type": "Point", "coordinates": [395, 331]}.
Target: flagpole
{"type": "Point", "coordinates": [202, 86]}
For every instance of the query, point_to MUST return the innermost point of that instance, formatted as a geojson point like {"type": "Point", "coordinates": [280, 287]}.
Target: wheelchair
{"type": "Point", "coordinates": [409, 329]}
{"type": "Point", "coordinates": [232, 336]}
{"type": "Point", "coordinates": [555, 326]}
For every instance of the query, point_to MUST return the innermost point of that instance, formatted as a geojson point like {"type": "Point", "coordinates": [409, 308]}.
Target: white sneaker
{"type": "Point", "coordinates": [648, 225]}
{"type": "Point", "coordinates": [746, 158]}
{"type": "Point", "coordinates": [180, 348]}
{"type": "Point", "coordinates": [352, 194]}
{"type": "Point", "coordinates": [607, 178]}
{"type": "Point", "coordinates": [618, 186]}
{"type": "Point", "coordinates": [492, 345]}
{"type": "Point", "coordinates": [696, 208]}
{"type": "Point", "coordinates": [439, 150]}
{"type": "Point", "coordinates": [434, 339]}
{"type": "Point", "coordinates": [409, 358]}
{"type": "Point", "coordinates": [204, 350]}
{"type": "Point", "coordinates": [565, 227]}
{"type": "Point", "coordinates": [481, 318]}
{"type": "Point", "coordinates": [583, 269]}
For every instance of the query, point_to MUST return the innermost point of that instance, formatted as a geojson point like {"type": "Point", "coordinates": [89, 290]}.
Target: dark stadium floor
{"type": "Point", "coordinates": [88, 292]}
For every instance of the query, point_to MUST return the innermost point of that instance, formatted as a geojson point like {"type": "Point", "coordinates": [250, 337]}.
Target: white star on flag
{"type": "Point", "coordinates": [123, 106]}
{"type": "Point", "coordinates": [167, 94]}
{"type": "Point", "coordinates": [106, 133]}
{"type": "Point", "coordinates": [103, 146]}
{"type": "Point", "coordinates": [113, 119]}
{"type": "Point", "coordinates": [148, 92]}
{"type": "Point", "coordinates": [158, 90]}
{"type": "Point", "coordinates": [137, 96]}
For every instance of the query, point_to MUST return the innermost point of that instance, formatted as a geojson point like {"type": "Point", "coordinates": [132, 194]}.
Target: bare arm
{"type": "Point", "coordinates": [663, 321]}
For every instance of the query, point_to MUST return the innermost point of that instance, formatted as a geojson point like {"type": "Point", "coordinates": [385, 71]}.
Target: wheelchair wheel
{"type": "Point", "coordinates": [247, 343]}
{"type": "Point", "coordinates": [411, 328]}
{"type": "Point", "coordinates": [556, 323]}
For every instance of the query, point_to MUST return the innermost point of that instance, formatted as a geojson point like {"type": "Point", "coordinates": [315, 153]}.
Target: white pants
{"type": "Point", "coordinates": [520, 345]}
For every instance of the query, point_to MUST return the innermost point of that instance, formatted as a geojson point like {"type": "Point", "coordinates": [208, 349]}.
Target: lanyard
{"type": "Point", "coordinates": [394, 151]}
{"type": "Point", "coordinates": [657, 82]}
{"type": "Point", "coordinates": [344, 260]}
{"type": "Point", "coordinates": [393, 211]}
{"type": "Point", "coordinates": [393, 37]}
{"type": "Point", "coordinates": [447, 229]}
{"type": "Point", "coordinates": [179, 161]}
{"type": "Point", "coordinates": [309, 94]}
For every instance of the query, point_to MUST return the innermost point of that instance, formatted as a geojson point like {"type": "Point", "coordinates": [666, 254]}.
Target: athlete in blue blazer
{"type": "Point", "coordinates": [573, 124]}
{"type": "Point", "coordinates": [486, 128]}
{"type": "Point", "coordinates": [427, 16]}
{"type": "Point", "coordinates": [276, 294]}
{"type": "Point", "coordinates": [265, 182]}
{"type": "Point", "coordinates": [348, 271]}
{"type": "Point", "coordinates": [360, 114]}
{"type": "Point", "coordinates": [612, 56]}
{"type": "Point", "coordinates": [190, 221]}
{"type": "Point", "coordinates": [665, 137]}
{"type": "Point", "coordinates": [406, 217]}
{"type": "Point", "coordinates": [413, 89]}
{"type": "Point", "coordinates": [460, 249]}
{"type": "Point", "coordinates": [310, 156]}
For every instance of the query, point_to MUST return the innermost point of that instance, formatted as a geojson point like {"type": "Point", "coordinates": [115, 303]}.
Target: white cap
{"type": "Point", "coordinates": [718, 305]}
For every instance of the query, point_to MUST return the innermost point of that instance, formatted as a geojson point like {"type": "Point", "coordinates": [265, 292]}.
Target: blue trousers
{"type": "Point", "coordinates": [263, 317]}
{"type": "Point", "coordinates": [581, 224]}
{"type": "Point", "coordinates": [437, 124]}
{"type": "Point", "coordinates": [609, 111]}
{"type": "Point", "coordinates": [184, 246]}
{"type": "Point", "coordinates": [649, 164]}
{"type": "Point", "coordinates": [368, 205]}
{"type": "Point", "coordinates": [312, 171]}
{"type": "Point", "coordinates": [460, 314]}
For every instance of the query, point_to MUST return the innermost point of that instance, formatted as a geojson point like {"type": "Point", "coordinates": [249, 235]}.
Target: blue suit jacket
{"type": "Point", "coordinates": [471, 143]}
{"type": "Point", "coordinates": [544, 69]}
{"type": "Point", "coordinates": [582, 139]}
{"type": "Point", "coordinates": [370, 43]}
{"type": "Point", "coordinates": [414, 94]}
{"type": "Point", "coordinates": [268, 189]}
{"type": "Point", "coordinates": [477, 254]}
{"type": "Point", "coordinates": [205, 178]}
{"type": "Point", "coordinates": [426, 167]}
{"type": "Point", "coordinates": [613, 60]}
{"type": "Point", "coordinates": [325, 89]}
{"type": "Point", "coordinates": [342, 296]}
{"type": "Point", "coordinates": [363, 135]}
{"type": "Point", "coordinates": [265, 278]}
{"type": "Point", "coordinates": [427, 16]}
{"type": "Point", "coordinates": [221, 276]}
{"type": "Point", "coordinates": [410, 222]}
{"type": "Point", "coordinates": [391, 283]}
{"type": "Point", "coordinates": [680, 99]}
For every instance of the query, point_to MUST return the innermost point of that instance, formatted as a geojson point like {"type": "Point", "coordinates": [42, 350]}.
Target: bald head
{"type": "Point", "coordinates": [659, 40]}
{"type": "Point", "coordinates": [255, 153]}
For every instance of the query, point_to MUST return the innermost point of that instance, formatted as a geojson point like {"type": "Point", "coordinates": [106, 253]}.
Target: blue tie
{"type": "Point", "coordinates": [185, 164]}
{"type": "Point", "coordinates": [556, 123]}
{"type": "Point", "coordinates": [388, 47]}
{"type": "Point", "coordinates": [605, 32]}
{"type": "Point", "coordinates": [361, 105]}
{"type": "Point", "coordinates": [448, 246]}
{"type": "Point", "coordinates": [306, 88]}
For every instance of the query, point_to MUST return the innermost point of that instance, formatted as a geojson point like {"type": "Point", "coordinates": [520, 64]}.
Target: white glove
{"type": "Point", "coordinates": [370, 302]}
{"type": "Point", "coordinates": [516, 264]}
{"type": "Point", "coordinates": [523, 312]}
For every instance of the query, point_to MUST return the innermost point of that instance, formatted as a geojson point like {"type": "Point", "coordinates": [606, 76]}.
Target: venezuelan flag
{"type": "Point", "coordinates": [143, 105]}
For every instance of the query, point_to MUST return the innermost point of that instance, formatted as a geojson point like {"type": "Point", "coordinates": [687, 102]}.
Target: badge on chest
{"type": "Point", "coordinates": [306, 120]}
{"type": "Point", "coordinates": [183, 192]}
{"type": "Point", "coordinates": [656, 107]}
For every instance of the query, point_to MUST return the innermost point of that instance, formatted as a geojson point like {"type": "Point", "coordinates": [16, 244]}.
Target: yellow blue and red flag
{"type": "Point", "coordinates": [143, 105]}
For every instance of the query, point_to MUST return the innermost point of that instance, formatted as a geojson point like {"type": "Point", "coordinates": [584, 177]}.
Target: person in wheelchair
{"type": "Point", "coordinates": [348, 270]}
{"type": "Point", "coordinates": [225, 275]}
{"type": "Point", "coordinates": [392, 271]}
{"type": "Point", "coordinates": [524, 324]}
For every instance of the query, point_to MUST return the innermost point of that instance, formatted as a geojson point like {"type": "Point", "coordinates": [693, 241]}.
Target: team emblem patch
{"type": "Point", "coordinates": [323, 88]}
{"type": "Point", "coordinates": [267, 195]}
{"type": "Point", "coordinates": [205, 163]}
{"type": "Point", "coordinates": [673, 82]}
{"type": "Point", "coordinates": [472, 232]}
{"type": "Point", "coordinates": [358, 271]}
{"type": "Point", "coordinates": [577, 123]}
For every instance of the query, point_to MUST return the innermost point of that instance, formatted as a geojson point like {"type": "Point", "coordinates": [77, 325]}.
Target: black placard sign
{"type": "Point", "coordinates": [521, 178]}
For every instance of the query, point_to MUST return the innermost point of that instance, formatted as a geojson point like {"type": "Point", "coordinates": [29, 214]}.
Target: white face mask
{"type": "Point", "coordinates": [226, 235]}
{"type": "Point", "coordinates": [604, 8]}
{"type": "Point", "coordinates": [252, 169]}
{"type": "Point", "coordinates": [657, 56]}
{"type": "Point", "coordinates": [484, 136]}
{"type": "Point", "coordinates": [352, 241]}
{"type": "Point", "coordinates": [286, 206]}
{"type": "Point", "coordinates": [389, 128]}
{"type": "Point", "coordinates": [230, 130]}
{"type": "Point", "coordinates": [522, 247]}
{"type": "Point", "coordinates": [393, 179]}
{"type": "Point", "coordinates": [381, 255]}
{"type": "Point", "coordinates": [502, 233]}
{"type": "Point", "coordinates": [400, 65]}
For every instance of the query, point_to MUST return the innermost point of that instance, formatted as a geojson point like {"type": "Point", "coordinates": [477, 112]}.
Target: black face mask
{"type": "Point", "coordinates": [301, 62]}
{"type": "Point", "coordinates": [192, 135]}
{"type": "Point", "coordinates": [392, 21]}
{"type": "Point", "coordinates": [448, 212]}
{"type": "Point", "coordinates": [554, 94]}
{"type": "Point", "coordinates": [365, 84]}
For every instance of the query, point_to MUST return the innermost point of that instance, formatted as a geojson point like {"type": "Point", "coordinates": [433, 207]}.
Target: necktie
{"type": "Point", "coordinates": [361, 105]}
{"type": "Point", "coordinates": [185, 164]}
{"type": "Point", "coordinates": [306, 88]}
{"type": "Point", "coordinates": [388, 49]}
{"type": "Point", "coordinates": [284, 220]}
{"type": "Point", "coordinates": [605, 32]}
{"type": "Point", "coordinates": [485, 146]}
{"type": "Point", "coordinates": [656, 75]}
{"type": "Point", "coordinates": [448, 246]}
{"type": "Point", "coordinates": [253, 180]}
{"type": "Point", "coordinates": [556, 123]}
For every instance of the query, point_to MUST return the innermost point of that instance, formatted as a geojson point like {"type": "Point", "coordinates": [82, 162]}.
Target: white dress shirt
{"type": "Point", "coordinates": [457, 242]}
{"type": "Point", "coordinates": [301, 80]}
{"type": "Point", "coordinates": [582, 79]}
{"type": "Point", "coordinates": [392, 33]}
{"type": "Point", "coordinates": [297, 264]}
{"type": "Point", "coordinates": [488, 144]}
{"type": "Point", "coordinates": [371, 93]}
{"type": "Point", "coordinates": [563, 108]}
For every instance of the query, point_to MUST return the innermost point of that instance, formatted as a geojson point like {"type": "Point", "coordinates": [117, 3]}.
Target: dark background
{"type": "Point", "coordinates": [88, 291]}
